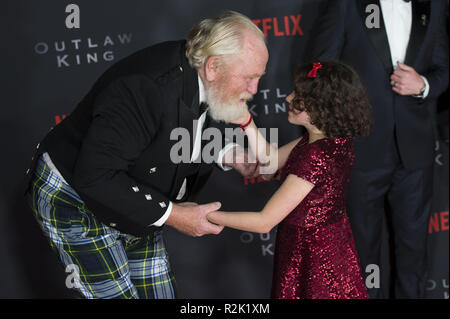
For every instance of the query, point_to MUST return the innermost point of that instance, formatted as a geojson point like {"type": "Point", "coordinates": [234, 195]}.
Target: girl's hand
{"type": "Point", "coordinates": [243, 119]}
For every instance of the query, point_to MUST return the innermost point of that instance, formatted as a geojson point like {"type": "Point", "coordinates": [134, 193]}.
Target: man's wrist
{"type": "Point", "coordinates": [164, 218]}
{"type": "Point", "coordinates": [424, 91]}
{"type": "Point", "coordinates": [173, 216]}
{"type": "Point", "coordinates": [223, 160]}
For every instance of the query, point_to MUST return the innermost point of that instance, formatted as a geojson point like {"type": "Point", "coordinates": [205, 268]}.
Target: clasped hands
{"type": "Point", "coordinates": [191, 218]}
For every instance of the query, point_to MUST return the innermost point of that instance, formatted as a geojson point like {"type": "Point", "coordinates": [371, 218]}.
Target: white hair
{"type": "Point", "coordinates": [221, 36]}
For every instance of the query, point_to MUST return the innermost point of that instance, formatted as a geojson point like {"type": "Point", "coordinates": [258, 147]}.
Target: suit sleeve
{"type": "Point", "coordinates": [328, 36]}
{"type": "Point", "coordinates": [126, 117]}
{"type": "Point", "coordinates": [437, 75]}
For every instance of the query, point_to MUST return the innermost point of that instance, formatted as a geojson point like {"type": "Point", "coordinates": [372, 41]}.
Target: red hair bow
{"type": "Point", "coordinates": [313, 72]}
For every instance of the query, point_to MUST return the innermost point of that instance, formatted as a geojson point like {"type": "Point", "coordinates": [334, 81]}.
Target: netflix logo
{"type": "Point", "coordinates": [438, 222]}
{"type": "Point", "coordinates": [280, 26]}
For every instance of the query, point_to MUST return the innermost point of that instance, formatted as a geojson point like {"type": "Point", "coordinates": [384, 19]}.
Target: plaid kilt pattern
{"type": "Point", "coordinates": [108, 264]}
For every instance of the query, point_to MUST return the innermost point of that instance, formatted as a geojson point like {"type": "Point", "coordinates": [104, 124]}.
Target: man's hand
{"type": "Point", "coordinates": [243, 161]}
{"type": "Point", "coordinates": [406, 81]}
{"type": "Point", "coordinates": [190, 219]}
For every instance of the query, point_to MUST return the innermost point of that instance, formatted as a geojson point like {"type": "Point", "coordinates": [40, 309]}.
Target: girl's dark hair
{"type": "Point", "coordinates": [335, 100]}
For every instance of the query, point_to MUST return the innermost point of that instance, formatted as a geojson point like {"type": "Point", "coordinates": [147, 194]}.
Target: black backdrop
{"type": "Point", "coordinates": [47, 68]}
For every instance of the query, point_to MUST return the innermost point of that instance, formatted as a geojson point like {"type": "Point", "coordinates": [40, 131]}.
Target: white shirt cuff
{"type": "Point", "coordinates": [426, 91]}
{"type": "Point", "coordinates": [222, 153]}
{"type": "Point", "coordinates": [163, 219]}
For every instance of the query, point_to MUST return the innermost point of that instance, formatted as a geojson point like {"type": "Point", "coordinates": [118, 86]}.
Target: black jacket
{"type": "Point", "coordinates": [114, 149]}
{"type": "Point", "coordinates": [342, 35]}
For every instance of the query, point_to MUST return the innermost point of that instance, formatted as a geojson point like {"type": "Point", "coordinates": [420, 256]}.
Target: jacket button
{"type": "Point", "coordinates": [112, 224]}
{"type": "Point", "coordinates": [135, 189]}
{"type": "Point", "coordinates": [152, 170]}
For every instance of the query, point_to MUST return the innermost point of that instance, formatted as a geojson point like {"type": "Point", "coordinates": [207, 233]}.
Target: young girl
{"type": "Point", "coordinates": [315, 255]}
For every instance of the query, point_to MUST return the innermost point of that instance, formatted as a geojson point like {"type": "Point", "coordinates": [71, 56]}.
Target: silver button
{"type": "Point", "coordinates": [112, 224]}
{"type": "Point", "coordinates": [135, 189]}
{"type": "Point", "coordinates": [28, 172]}
{"type": "Point", "coordinates": [162, 204]}
{"type": "Point", "coordinates": [181, 68]}
{"type": "Point", "coordinates": [152, 170]}
{"type": "Point", "coordinates": [148, 197]}
{"type": "Point", "coordinates": [37, 146]}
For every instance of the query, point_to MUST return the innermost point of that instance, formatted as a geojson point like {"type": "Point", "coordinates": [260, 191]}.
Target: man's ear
{"type": "Point", "coordinates": [212, 68]}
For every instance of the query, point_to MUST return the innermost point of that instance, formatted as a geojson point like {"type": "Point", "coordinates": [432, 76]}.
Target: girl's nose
{"type": "Point", "coordinates": [290, 97]}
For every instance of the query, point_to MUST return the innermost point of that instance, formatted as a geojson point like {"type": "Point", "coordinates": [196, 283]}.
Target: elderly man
{"type": "Point", "coordinates": [103, 183]}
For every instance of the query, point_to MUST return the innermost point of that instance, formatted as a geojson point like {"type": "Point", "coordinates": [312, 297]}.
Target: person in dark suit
{"type": "Point", "coordinates": [105, 181]}
{"type": "Point", "coordinates": [400, 50]}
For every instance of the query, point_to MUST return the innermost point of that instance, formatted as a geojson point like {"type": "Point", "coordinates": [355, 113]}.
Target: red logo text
{"type": "Point", "coordinates": [438, 222]}
{"type": "Point", "coordinates": [284, 26]}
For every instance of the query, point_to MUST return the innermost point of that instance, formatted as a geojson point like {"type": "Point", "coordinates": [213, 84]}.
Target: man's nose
{"type": "Point", "coordinates": [252, 87]}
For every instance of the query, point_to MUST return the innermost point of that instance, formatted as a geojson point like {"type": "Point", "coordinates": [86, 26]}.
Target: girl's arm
{"type": "Point", "coordinates": [284, 151]}
{"type": "Point", "coordinates": [265, 153]}
{"type": "Point", "coordinates": [293, 190]}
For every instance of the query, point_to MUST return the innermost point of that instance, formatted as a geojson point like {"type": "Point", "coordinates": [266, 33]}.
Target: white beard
{"type": "Point", "coordinates": [226, 111]}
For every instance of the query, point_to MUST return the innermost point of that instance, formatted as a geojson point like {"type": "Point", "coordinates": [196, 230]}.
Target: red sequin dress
{"type": "Point", "coordinates": [315, 255]}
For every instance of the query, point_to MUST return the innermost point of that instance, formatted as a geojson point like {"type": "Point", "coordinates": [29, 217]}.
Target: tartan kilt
{"type": "Point", "coordinates": [103, 262]}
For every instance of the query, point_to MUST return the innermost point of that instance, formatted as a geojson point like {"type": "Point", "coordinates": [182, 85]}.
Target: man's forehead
{"type": "Point", "coordinates": [254, 66]}
{"type": "Point", "coordinates": [248, 68]}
